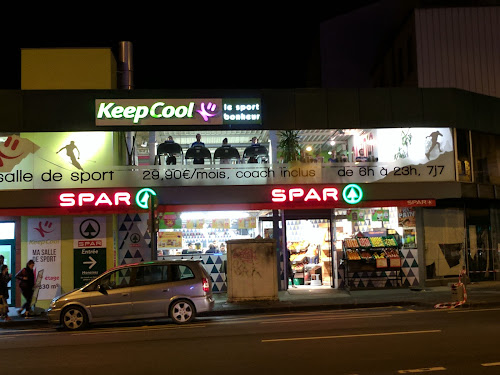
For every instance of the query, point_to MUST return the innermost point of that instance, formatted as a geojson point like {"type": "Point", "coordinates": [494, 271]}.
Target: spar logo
{"type": "Point", "coordinates": [351, 194]}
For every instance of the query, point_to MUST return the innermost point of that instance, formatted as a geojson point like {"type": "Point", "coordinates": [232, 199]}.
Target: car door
{"type": "Point", "coordinates": [150, 292]}
{"type": "Point", "coordinates": [111, 298]}
{"type": "Point", "coordinates": [184, 282]}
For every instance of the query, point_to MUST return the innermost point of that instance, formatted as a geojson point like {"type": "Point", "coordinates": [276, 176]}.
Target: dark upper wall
{"type": "Point", "coordinates": [38, 111]}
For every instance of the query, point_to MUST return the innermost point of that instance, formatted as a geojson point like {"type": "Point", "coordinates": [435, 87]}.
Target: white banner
{"type": "Point", "coordinates": [44, 248]}
{"type": "Point", "coordinates": [391, 155]}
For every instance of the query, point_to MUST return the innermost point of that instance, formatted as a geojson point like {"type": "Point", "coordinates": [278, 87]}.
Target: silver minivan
{"type": "Point", "coordinates": [175, 289]}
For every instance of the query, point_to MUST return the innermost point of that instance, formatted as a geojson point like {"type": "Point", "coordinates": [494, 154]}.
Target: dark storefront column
{"type": "Point", "coordinates": [419, 218]}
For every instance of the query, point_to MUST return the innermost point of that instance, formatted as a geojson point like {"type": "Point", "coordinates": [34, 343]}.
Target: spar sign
{"type": "Point", "coordinates": [351, 194]}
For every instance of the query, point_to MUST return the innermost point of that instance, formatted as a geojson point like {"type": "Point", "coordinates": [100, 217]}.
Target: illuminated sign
{"type": "Point", "coordinates": [299, 194]}
{"type": "Point", "coordinates": [90, 199]}
{"type": "Point", "coordinates": [351, 194]}
{"type": "Point", "coordinates": [142, 197]}
{"type": "Point", "coordinates": [157, 110]}
{"type": "Point", "coordinates": [210, 111]}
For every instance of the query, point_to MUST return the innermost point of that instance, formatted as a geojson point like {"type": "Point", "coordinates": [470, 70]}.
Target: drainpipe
{"type": "Point", "coordinates": [125, 68]}
{"type": "Point", "coordinates": [125, 79]}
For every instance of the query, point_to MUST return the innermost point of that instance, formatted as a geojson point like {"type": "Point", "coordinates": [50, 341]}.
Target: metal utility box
{"type": "Point", "coordinates": [251, 270]}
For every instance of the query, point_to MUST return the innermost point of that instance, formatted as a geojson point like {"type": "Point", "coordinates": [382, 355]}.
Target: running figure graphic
{"type": "Point", "coordinates": [70, 151]}
{"type": "Point", "coordinates": [433, 136]}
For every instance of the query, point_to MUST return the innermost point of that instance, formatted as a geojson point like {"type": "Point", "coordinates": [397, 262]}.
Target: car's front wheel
{"type": "Point", "coordinates": [74, 318]}
{"type": "Point", "coordinates": [182, 311]}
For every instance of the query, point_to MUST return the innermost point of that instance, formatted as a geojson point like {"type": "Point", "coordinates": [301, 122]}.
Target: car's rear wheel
{"type": "Point", "coordinates": [74, 318]}
{"type": "Point", "coordinates": [182, 311]}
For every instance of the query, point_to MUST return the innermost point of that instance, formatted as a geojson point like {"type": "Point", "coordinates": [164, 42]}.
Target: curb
{"type": "Point", "coordinates": [40, 321]}
{"type": "Point", "coordinates": [339, 306]}
{"type": "Point", "coordinates": [16, 323]}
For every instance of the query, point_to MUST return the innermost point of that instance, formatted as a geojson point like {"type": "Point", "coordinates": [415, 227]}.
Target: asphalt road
{"type": "Point", "coordinates": [361, 341]}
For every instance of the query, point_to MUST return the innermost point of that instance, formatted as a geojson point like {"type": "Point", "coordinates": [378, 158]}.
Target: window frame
{"type": "Point", "coordinates": [172, 273]}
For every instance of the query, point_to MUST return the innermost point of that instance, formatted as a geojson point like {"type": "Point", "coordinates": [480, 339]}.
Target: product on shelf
{"type": "Point", "coordinates": [379, 255]}
{"type": "Point", "coordinates": [352, 255]}
{"type": "Point", "coordinates": [299, 267]}
{"type": "Point", "coordinates": [366, 255]}
{"type": "Point", "coordinates": [364, 242]}
{"type": "Point", "coordinates": [297, 256]}
{"type": "Point", "coordinates": [390, 241]}
{"type": "Point", "coordinates": [297, 246]}
{"type": "Point", "coordinates": [351, 243]}
{"type": "Point", "coordinates": [377, 241]}
{"type": "Point", "coordinates": [392, 253]}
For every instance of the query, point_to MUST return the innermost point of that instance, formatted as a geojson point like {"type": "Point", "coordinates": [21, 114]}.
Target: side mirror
{"type": "Point", "coordinates": [102, 289]}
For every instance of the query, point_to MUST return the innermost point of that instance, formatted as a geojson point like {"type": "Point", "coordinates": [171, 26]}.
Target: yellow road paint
{"type": "Point", "coordinates": [353, 336]}
{"type": "Point", "coordinates": [421, 370]}
{"type": "Point", "coordinates": [490, 364]}
{"type": "Point", "coordinates": [345, 317]}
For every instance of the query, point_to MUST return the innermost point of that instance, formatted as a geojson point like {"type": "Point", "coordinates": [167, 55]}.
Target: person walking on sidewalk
{"type": "Point", "coordinates": [4, 291]}
{"type": "Point", "coordinates": [26, 279]}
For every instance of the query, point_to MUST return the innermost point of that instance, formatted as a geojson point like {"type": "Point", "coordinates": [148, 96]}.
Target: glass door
{"type": "Point", "coordinates": [309, 244]}
{"type": "Point", "coordinates": [8, 250]}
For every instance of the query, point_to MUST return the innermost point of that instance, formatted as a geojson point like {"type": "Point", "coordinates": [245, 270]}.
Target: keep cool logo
{"type": "Point", "coordinates": [44, 228]}
{"type": "Point", "coordinates": [157, 110]}
{"type": "Point", "coordinates": [13, 151]}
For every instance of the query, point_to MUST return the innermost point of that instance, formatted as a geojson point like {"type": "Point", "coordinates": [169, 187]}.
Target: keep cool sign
{"type": "Point", "coordinates": [44, 247]}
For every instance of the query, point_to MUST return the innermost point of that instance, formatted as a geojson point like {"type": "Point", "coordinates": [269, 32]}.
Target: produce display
{"type": "Point", "coordinates": [366, 255]}
{"type": "Point", "coordinates": [377, 241]}
{"type": "Point", "coordinates": [364, 242]}
{"type": "Point", "coordinates": [352, 255]}
{"type": "Point", "coordinates": [389, 241]}
{"type": "Point", "coordinates": [298, 267]}
{"type": "Point", "coordinates": [297, 256]}
{"type": "Point", "coordinates": [297, 246]}
{"type": "Point", "coordinates": [392, 253]}
{"type": "Point", "coordinates": [351, 243]}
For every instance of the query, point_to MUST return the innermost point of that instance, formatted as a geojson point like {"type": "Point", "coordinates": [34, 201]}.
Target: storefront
{"type": "Point", "coordinates": [360, 209]}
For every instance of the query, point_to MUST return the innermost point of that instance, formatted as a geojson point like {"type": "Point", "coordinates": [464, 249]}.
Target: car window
{"type": "Point", "coordinates": [181, 272]}
{"type": "Point", "coordinates": [115, 280]}
{"type": "Point", "coordinates": [154, 274]}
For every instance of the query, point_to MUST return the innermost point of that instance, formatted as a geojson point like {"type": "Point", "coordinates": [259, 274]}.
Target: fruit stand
{"type": "Point", "coordinates": [372, 254]}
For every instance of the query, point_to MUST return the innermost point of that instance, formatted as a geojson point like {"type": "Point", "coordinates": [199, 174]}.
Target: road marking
{"type": "Point", "coordinates": [277, 321]}
{"type": "Point", "coordinates": [29, 334]}
{"type": "Point", "coordinates": [419, 370]}
{"type": "Point", "coordinates": [466, 311]}
{"type": "Point", "coordinates": [352, 336]}
{"type": "Point", "coordinates": [490, 364]}
{"type": "Point", "coordinates": [139, 330]}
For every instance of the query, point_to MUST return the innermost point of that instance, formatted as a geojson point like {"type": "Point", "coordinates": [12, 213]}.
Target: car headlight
{"type": "Point", "coordinates": [53, 303]}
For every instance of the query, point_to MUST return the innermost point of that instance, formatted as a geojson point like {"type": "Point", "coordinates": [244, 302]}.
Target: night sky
{"type": "Point", "coordinates": [243, 45]}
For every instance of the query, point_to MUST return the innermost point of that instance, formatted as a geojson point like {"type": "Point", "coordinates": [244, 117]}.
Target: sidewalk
{"type": "Point", "coordinates": [484, 294]}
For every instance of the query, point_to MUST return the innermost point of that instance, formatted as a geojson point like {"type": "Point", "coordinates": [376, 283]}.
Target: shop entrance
{"type": "Point", "coordinates": [482, 258]}
{"type": "Point", "coordinates": [309, 244]}
{"type": "Point", "coordinates": [8, 250]}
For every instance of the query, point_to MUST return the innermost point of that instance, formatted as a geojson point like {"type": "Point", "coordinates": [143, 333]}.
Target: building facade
{"type": "Point", "coordinates": [376, 165]}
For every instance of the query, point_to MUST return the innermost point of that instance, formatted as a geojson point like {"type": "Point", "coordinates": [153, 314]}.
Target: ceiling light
{"type": "Point", "coordinates": [332, 143]}
{"type": "Point", "coordinates": [308, 148]}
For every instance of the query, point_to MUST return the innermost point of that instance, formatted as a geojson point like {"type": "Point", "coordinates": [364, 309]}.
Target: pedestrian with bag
{"type": "Point", "coordinates": [5, 277]}
{"type": "Point", "coordinates": [26, 279]}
